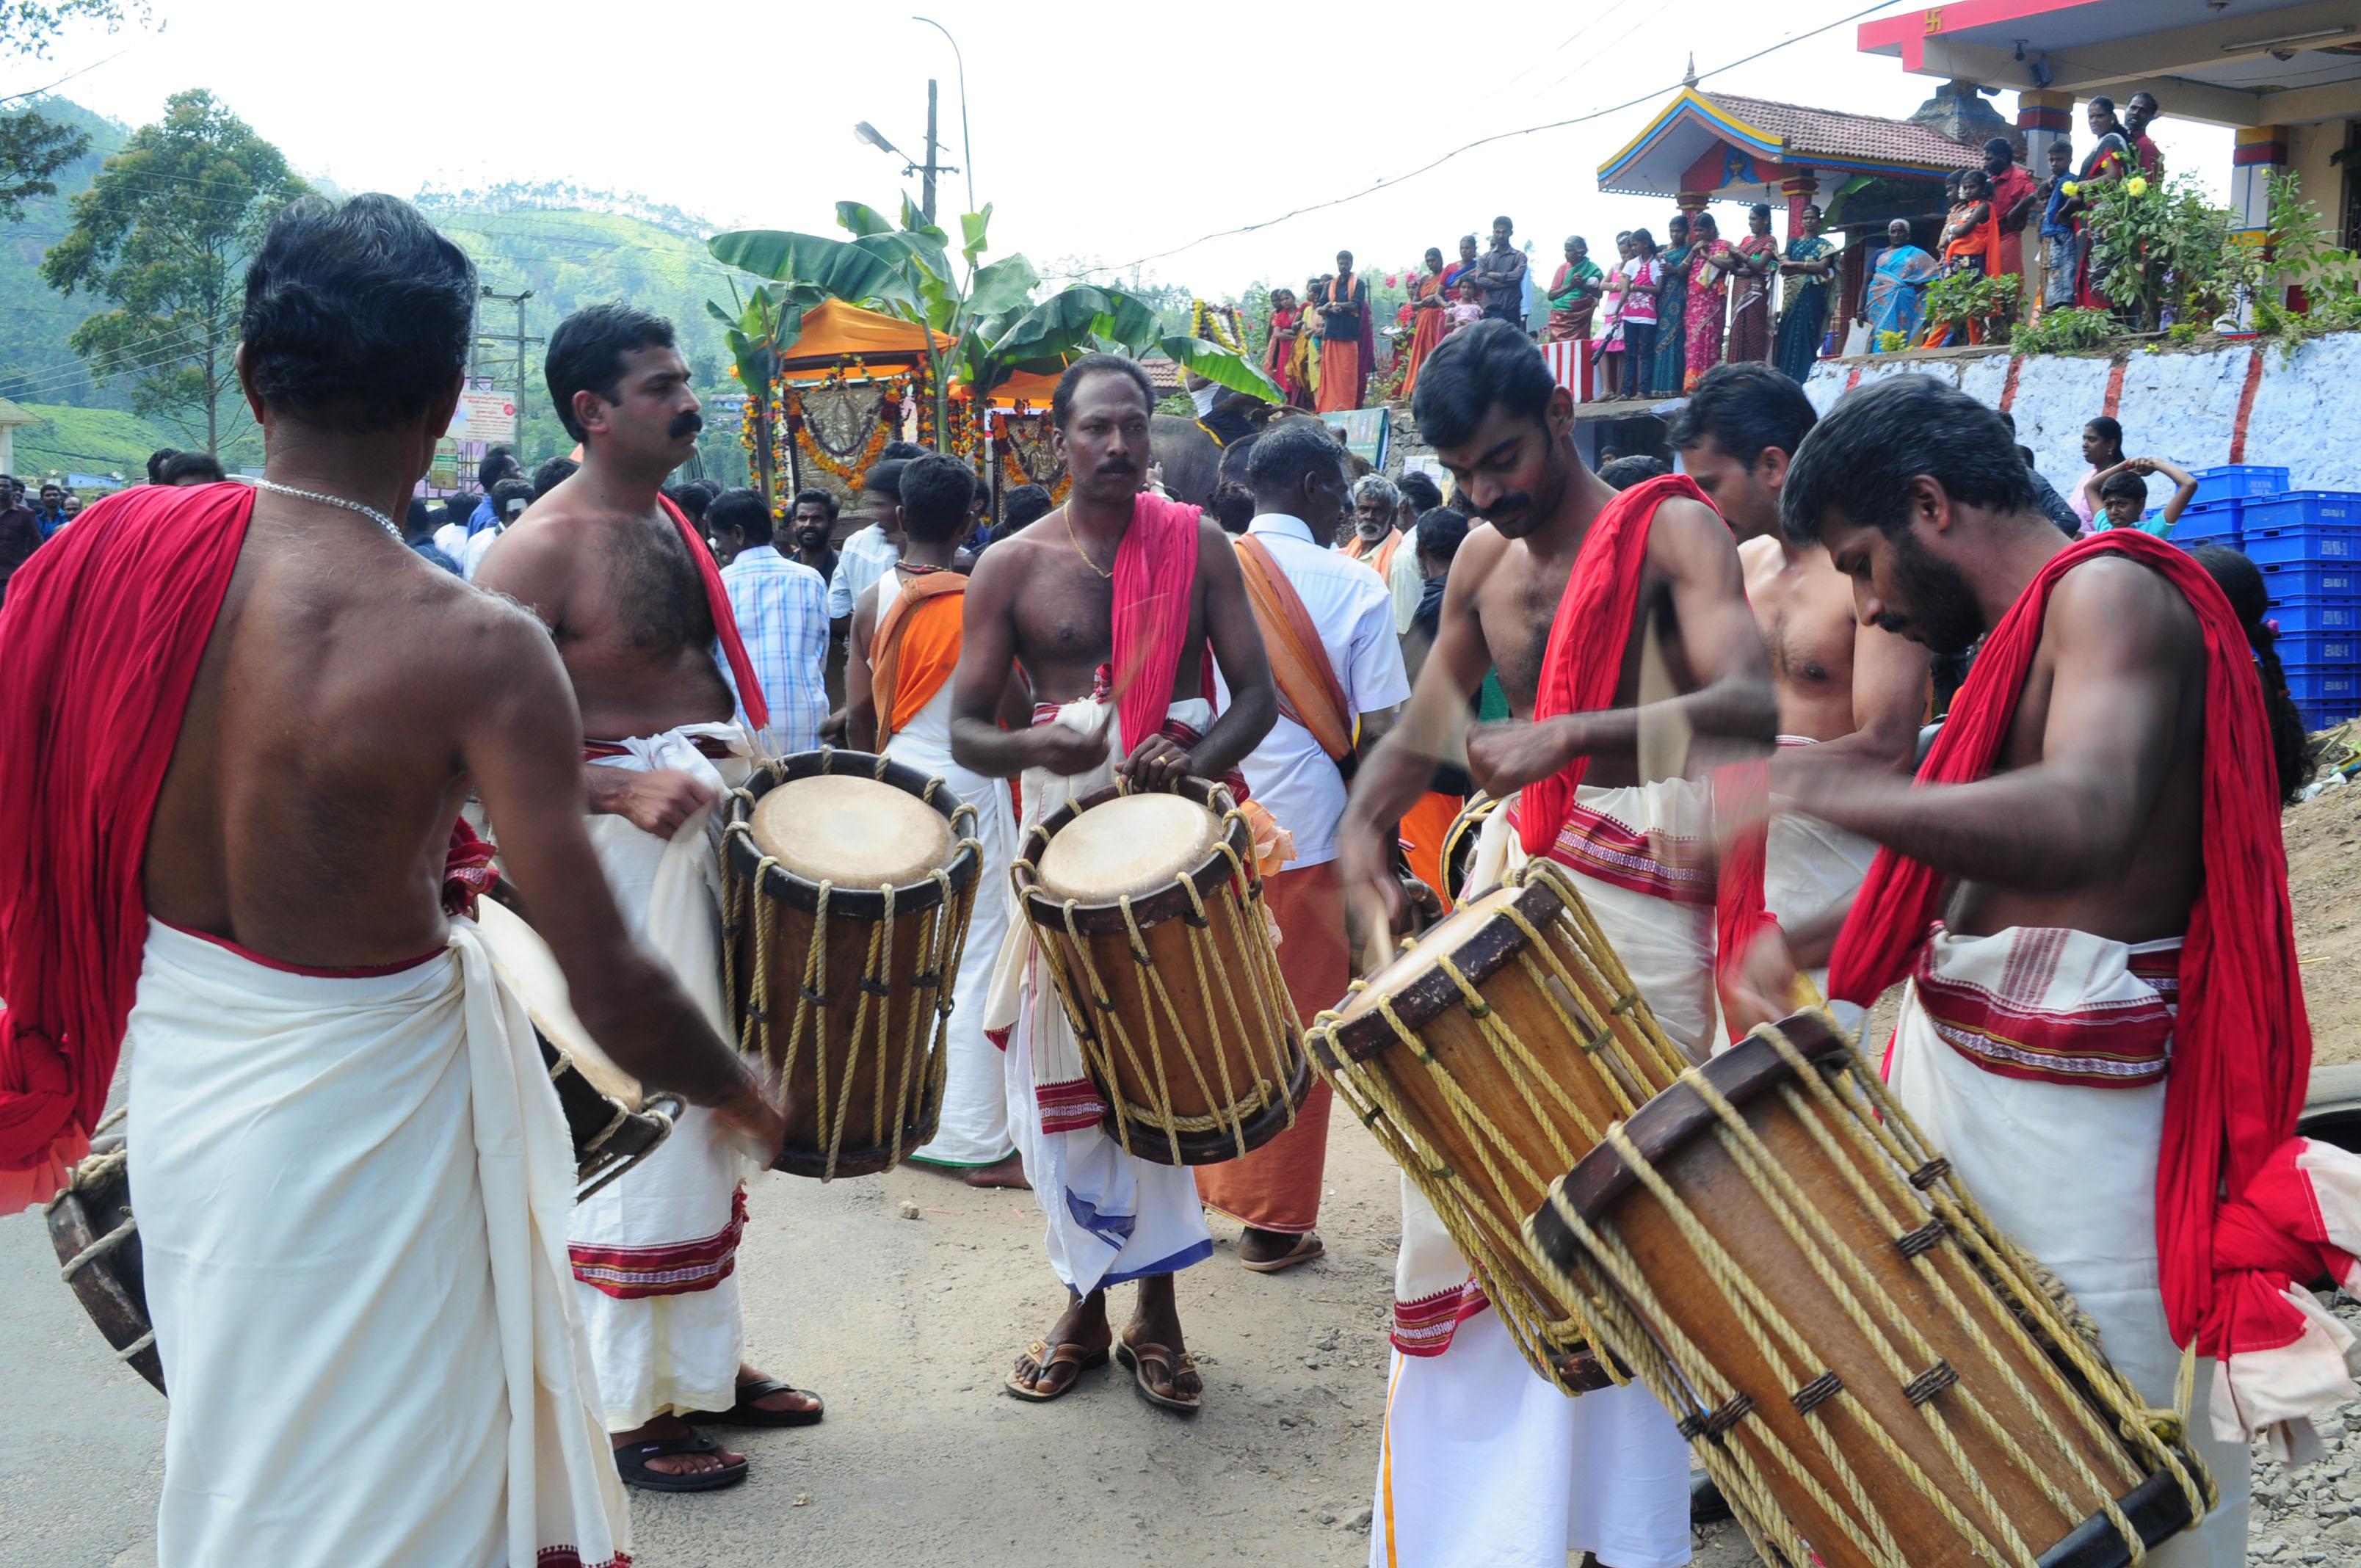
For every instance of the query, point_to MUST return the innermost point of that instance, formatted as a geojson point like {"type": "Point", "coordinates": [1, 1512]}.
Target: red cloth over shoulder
{"type": "Point", "coordinates": [725, 620]}
{"type": "Point", "coordinates": [99, 645]}
{"type": "Point", "coordinates": [1155, 577]}
{"type": "Point", "coordinates": [2242, 1043]}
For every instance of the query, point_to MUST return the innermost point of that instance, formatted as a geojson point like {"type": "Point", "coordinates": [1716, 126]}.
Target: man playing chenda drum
{"type": "Point", "coordinates": [1116, 606]}
{"type": "Point", "coordinates": [2108, 1011]}
{"type": "Point", "coordinates": [352, 1177]}
{"type": "Point", "coordinates": [1483, 1460]}
{"type": "Point", "coordinates": [637, 607]}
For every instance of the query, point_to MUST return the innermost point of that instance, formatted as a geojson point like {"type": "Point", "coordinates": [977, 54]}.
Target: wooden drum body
{"type": "Point", "coordinates": [1879, 1378]}
{"type": "Point", "coordinates": [1148, 908]}
{"type": "Point", "coordinates": [849, 881]}
{"type": "Point", "coordinates": [1486, 1058]}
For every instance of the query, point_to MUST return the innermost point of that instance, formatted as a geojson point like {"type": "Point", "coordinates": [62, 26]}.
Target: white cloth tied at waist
{"type": "Point", "coordinates": [1112, 1217]}
{"type": "Point", "coordinates": [655, 1250]}
{"type": "Point", "coordinates": [353, 1194]}
{"type": "Point", "coordinates": [2043, 1082]}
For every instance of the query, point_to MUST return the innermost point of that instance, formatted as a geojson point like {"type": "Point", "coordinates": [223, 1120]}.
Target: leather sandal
{"type": "Point", "coordinates": [1068, 1354]}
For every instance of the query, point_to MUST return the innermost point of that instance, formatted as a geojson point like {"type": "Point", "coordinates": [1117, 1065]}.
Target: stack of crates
{"type": "Point", "coordinates": [2307, 543]}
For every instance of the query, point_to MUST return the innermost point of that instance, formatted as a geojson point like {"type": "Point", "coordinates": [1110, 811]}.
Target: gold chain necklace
{"type": "Point", "coordinates": [1076, 540]}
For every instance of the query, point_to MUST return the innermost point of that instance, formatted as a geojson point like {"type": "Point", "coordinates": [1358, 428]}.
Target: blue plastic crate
{"type": "Point", "coordinates": [2324, 614]}
{"type": "Point", "coordinates": [2320, 716]}
{"type": "Point", "coordinates": [2320, 650]}
{"type": "Point", "coordinates": [2299, 508]}
{"type": "Point", "coordinates": [2325, 685]}
{"type": "Point", "coordinates": [2308, 579]}
{"type": "Point", "coordinates": [2325, 542]}
{"type": "Point", "coordinates": [2217, 522]}
{"type": "Point", "coordinates": [2233, 482]}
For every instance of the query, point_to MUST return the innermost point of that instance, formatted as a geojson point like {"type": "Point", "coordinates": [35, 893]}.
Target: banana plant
{"type": "Point", "coordinates": [759, 333]}
{"type": "Point", "coordinates": [906, 272]}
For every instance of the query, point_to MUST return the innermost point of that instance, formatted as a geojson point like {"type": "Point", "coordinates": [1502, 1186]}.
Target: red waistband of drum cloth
{"type": "Point", "coordinates": [680, 1268]}
{"type": "Point", "coordinates": [1424, 1327]}
{"type": "Point", "coordinates": [1601, 848]}
{"type": "Point", "coordinates": [1069, 1106]}
{"type": "Point", "coordinates": [2006, 1030]}
{"type": "Point", "coordinates": [712, 746]}
{"type": "Point", "coordinates": [358, 971]}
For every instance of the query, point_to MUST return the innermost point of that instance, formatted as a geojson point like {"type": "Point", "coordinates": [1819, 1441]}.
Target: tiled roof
{"type": "Point", "coordinates": [1832, 134]}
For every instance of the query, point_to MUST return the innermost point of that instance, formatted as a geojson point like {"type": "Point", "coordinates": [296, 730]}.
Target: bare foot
{"type": "Point", "coordinates": [1081, 1326]}
{"type": "Point", "coordinates": [1009, 1172]}
{"type": "Point", "coordinates": [664, 1428]}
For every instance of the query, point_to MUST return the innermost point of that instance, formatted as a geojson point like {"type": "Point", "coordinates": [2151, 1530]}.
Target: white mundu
{"type": "Point", "coordinates": [353, 1196]}
{"type": "Point", "coordinates": [1484, 1464]}
{"type": "Point", "coordinates": [655, 1250]}
{"type": "Point", "coordinates": [975, 1126]}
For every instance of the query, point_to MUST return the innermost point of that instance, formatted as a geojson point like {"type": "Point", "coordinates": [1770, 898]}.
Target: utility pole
{"type": "Point", "coordinates": [519, 341]}
{"type": "Point", "coordinates": [927, 191]}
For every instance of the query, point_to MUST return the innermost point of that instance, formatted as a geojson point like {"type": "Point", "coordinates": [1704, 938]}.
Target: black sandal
{"type": "Point", "coordinates": [747, 1413]}
{"type": "Point", "coordinates": [632, 1465]}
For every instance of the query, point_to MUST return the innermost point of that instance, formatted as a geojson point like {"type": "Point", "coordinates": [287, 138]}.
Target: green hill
{"type": "Point", "coordinates": [35, 366]}
{"type": "Point", "coordinates": [86, 441]}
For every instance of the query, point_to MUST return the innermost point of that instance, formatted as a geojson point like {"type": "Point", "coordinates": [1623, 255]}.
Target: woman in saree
{"type": "Point", "coordinates": [1608, 356]}
{"type": "Point", "coordinates": [1666, 379]}
{"type": "Point", "coordinates": [1427, 299]}
{"type": "Point", "coordinates": [1304, 360]}
{"type": "Point", "coordinates": [1278, 347]}
{"type": "Point", "coordinates": [2110, 160]}
{"type": "Point", "coordinates": [1466, 263]}
{"type": "Point", "coordinates": [1749, 289]}
{"type": "Point", "coordinates": [1574, 293]}
{"type": "Point", "coordinates": [1711, 261]}
{"type": "Point", "coordinates": [1896, 302]}
{"type": "Point", "coordinates": [1804, 309]}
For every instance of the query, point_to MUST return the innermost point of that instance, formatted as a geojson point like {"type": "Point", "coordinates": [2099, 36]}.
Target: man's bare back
{"type": "Point", "coordinates": [623, 600]}
{"type": "Point", "coordinates": [323, 756]}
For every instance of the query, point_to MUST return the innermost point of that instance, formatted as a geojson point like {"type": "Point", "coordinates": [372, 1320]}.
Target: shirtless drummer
{"type": "Point", "coordinates": [1848, 691]}
{"type": "Point", "coordinates": [2109, 1011]}
{"type": "Point", "coordinates": [1483, 1460]}
{"type": "Point", "coordinates": [637, 609]}
{"type": "Point", "coordinates": [1085, 600]}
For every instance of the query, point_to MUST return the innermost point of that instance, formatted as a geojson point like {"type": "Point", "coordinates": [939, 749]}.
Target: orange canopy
{"type": "Point", "coordinates": [1033, 390]}
{"type": "Point", "coordinates": [834, 332]}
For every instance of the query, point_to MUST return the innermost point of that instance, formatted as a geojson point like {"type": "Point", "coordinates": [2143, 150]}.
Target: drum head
{"type": "Point", "coordinates": [1127, 847]}
{"type": "Point", "coordinates": [1461, 928]}
{"type": "Point", "coordinates": [852, 832]}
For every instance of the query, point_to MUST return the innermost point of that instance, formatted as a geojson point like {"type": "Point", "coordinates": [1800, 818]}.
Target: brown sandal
{"type": "Point", "coordinates": [1068, 1354]}
{"type": "Point", "coordinates": [1138, 1357]}
{"type": "Point", "coordinates": [1307, 1247]}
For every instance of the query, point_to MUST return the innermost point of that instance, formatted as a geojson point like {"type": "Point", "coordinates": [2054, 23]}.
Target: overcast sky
{"type": "Point", "coordinates": [1105, 132]}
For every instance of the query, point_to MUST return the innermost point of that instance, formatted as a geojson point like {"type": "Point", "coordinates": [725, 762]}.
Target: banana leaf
{"type": "Point", "coordinates": [972, 231]}
{"type": "Point", "coordinates": [1221, 367]}
{"type": "Point", "coordinates": [832, 269]}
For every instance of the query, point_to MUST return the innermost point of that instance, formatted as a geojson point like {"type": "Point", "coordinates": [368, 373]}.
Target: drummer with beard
{"type": "Point", "coordinates": [1116, 606]}
{"type": "Point", "coordinates": [638, 611]}
{"type": "Point", "coordinates": [1565, 592]}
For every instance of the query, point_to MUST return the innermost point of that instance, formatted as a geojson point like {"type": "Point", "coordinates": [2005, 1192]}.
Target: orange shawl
{"type": "Point", "coordinates": [914, 649]}
{"type": "Point", "coordinates": [1308, 689]}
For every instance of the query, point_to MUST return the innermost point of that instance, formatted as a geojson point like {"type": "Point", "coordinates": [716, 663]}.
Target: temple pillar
{"type": "Point", "coordinates": [1799, 190]}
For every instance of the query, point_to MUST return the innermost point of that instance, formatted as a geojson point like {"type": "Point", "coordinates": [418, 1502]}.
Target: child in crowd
{"type": "Point", "coordinates": [2118, 494]}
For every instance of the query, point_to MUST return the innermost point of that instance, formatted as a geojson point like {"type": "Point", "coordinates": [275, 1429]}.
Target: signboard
{"type": "Point", "coordinates": [1368, 432]}
{"type": "Point", "coordinates": [484, 416]}
{"type": "Point", "coordinates": [443, 474]}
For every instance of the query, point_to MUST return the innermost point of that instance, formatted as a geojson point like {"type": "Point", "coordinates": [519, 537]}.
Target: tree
{"type": "Point", "coordinates": [165, 232]}
{"type": "Point", "coordinates": [32, 147]}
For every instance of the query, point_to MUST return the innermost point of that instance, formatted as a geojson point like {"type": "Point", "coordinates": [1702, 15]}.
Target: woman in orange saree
{"type": "Point", "coordinates": [1426, 302]}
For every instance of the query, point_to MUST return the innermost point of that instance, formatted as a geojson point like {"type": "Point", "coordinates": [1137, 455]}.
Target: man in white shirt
{"type": "Point", "coordinates": [1328, 625]}
{"type": "Point", "coordinates": [782, 609]}
{"type": "Point", "coordinates": [507, 500]}
{"type": "Point", "coordinates": [871, 553]}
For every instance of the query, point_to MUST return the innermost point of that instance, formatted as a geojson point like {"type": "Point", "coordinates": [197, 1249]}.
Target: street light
{"type": "Point", "coordinates": [967, 147]}
{"type": "Point", "coordinates": [864, 131]}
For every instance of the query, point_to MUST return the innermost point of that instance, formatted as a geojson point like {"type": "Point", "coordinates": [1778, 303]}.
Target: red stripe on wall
{"type": "Point", "coordinates": [2114, 389]}
{"type": "Point", "coordinates": [2247, 405]}
{"type": "Point", "coordinates": [1853, 378]}
{"type": "Point", "coordinates": [2008, 386]}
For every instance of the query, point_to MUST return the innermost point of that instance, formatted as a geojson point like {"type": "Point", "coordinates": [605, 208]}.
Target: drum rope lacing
{"type": "Point", "coordinates": [1861, 1121]}
{"type": "Point", "coordinates": [1641, 1060]}
{"type": "Point", "coordinates": [88, 1175]}
{"type": "Point", "coordinates": [1241, 927]}
{"type": "Point", "coordinates": [920, 1067]}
